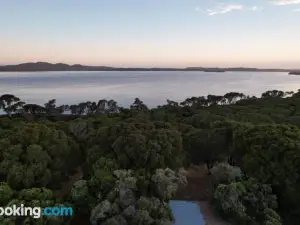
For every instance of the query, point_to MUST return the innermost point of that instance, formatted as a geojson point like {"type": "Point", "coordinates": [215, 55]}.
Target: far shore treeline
{"type": "Point", "coordinates": [45, 66]}
{"type": "Point", "coordinates": [11, 104]}
{"type": "Point", "coordinates": [119, 166]}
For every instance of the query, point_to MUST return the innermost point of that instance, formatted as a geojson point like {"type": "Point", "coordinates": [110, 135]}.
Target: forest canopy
{"type": "Point", "coordinates": [120, 166]}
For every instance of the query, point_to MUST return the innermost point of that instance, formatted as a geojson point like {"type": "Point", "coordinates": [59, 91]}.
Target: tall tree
{"type": "Point", "coordinates": [50, 106]}
{"type": "Point", "coordinates": [10, 104]}
{"type": "Point", "coordinates": [138, 105]}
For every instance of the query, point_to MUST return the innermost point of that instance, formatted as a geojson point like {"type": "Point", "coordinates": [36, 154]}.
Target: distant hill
{"type": "Point", "coordinates": [45, 66]}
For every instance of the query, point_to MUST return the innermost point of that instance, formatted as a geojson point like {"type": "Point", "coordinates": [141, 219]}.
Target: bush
{"type": "Point", "coordinates": [224, 173]}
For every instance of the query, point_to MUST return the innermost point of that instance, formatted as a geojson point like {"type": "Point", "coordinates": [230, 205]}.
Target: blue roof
{"type": "Point", "coordinates": [186, 213]}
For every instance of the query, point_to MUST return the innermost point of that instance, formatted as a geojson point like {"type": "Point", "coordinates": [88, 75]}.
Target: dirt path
{"type": "Point", "coordinates": [67, 186]}
{"type": "Point", "coordinates": [199, 186]}
{"type": "Point", "coordinates": [209, 215]}
{"type": "Point", "coordinates": [200, 189]}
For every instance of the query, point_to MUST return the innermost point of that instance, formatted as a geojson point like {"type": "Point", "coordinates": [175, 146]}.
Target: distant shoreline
{"type": "Point", "coordinates": [294, 73]}
{"type": "Point", "coordinates": [60, 67]}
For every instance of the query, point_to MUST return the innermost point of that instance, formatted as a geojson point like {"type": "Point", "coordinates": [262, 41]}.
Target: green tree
{"type": "Point", "coordinates": [35, 155]}
{"type": "Point", "coordinates": [270, 154]}
{"type": "Point", "coordinates": [10, 103]}
{"type": "Point", "coordinates": [50, 106]}
{"type": "Point", "coordinates": [6, 193]}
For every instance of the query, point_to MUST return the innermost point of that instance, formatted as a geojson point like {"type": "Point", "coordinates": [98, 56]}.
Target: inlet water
{"type": "Point", "coordinates": [186, 213]}
{"type": "Point", "coordinates": [154, 88]}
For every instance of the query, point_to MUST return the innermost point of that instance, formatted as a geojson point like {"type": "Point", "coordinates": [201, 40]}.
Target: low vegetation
{"type": "Point", "coordinates": [129, 162]}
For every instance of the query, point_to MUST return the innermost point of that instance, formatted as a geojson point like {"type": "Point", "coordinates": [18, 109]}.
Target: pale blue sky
{"type": "Point", "coordinates": [152, 32]}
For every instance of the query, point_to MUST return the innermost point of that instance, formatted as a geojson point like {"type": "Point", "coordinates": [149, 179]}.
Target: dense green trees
{"type": "Point", "coordinates": [34, 155]}
{"type": "Point", "coordinates": [127, 173]}
{"type": "Point", "coordinates": [137, 145]}
{"type": "Point", "coordinates": [241, 200]}
{"type": "Point", "coordinates": [119, 200]}
{"type": "Point", "coordinates": [33, 197]}
{"type": "Point", "coordinates": [271, 154]}
{"type": "Point", "coordinates": [246, 203]}
{"type": "Point", "coordinates": [122, 165]}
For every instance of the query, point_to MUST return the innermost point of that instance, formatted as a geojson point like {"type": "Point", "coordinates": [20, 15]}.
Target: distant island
{"type": "Point", "coordinates": [45, 66]}
{"type": "Point", "coordinates": [294, 73]}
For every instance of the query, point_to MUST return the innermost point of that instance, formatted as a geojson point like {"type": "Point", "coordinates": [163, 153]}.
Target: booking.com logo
{"type": "Point", "coordinates": [35, 212]}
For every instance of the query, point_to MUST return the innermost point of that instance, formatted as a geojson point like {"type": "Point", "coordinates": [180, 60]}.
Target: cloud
{"type": "Point", "coordinates": [285, 2]}
{"type": "Point", "coordinates": [222, 9]}
{"type": "Point", "coordinates": [296, 10]}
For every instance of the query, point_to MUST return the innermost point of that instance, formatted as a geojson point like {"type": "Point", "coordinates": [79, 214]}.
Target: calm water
{"type": "Point", "coordinates": [152, 87]}
{"type": "Point", "coordinates": [186, 213]}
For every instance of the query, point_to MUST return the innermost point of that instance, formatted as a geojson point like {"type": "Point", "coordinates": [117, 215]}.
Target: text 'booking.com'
{"type": "Point", "coordinates": [35, 212]}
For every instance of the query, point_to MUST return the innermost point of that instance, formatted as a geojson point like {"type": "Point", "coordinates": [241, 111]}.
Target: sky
{"type": "Point", "coordinates": [148, 33]}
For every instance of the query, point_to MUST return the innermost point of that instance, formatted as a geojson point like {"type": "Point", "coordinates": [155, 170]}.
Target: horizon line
{"type": "Point", "coordinates": [152, 67]}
